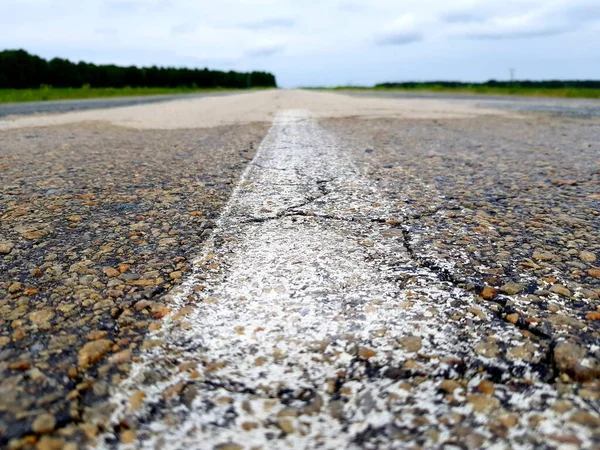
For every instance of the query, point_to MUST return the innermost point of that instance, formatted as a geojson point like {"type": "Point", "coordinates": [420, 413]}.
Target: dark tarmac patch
{"type": "Point", "coordinates": [94, 220]}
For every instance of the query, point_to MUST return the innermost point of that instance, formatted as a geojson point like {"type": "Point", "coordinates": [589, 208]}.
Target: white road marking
{"type": "Point", "coordinates": [309, 318]}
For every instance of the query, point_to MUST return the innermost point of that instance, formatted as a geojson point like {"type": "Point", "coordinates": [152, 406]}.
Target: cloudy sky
{"type": "Point", "coordinates": [319, 42]}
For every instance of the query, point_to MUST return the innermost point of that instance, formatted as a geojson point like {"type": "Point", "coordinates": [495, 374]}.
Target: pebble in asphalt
{"type": "Point", "coordinates": [445, 238]}
{"type": "Point", "coordinates": [321, 323]}
{"type": "Point", "coordinates": [92, 222]}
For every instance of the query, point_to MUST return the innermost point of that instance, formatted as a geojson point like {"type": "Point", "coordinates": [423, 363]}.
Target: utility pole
{"type": "Point", "coordinates": [512, 75]}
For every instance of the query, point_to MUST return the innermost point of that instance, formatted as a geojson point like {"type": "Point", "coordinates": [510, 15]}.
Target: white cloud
{"type": "Point", "coordinates": [272, 22]}
{"type": "Point", "coordinates": [403, 30]}
{"type": "Point", "coordinates": [533, 19]}
{"type": "Point", "coordinates": [184, 28]}
{"type": "Point", "coordinates": [399, 38]}
{"type": "Point", "coordinates": [516, 27]}
{"type": "Point", "coordinates": [264, 49]}
{"type": "Point", "coordinates": [351, 6]}
{"type": "Point", "coordinates": [335, 41]}
{"type": "Point", "coordinates": [461, 17]}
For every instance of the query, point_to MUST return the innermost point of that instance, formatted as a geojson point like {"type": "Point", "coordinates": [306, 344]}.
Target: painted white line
{"type": "Point", "coordinates": [311, 326]}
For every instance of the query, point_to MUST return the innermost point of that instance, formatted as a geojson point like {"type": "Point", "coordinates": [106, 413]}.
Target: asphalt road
{"type": "Point", "coordinates": [302, 270]}
{"type": "Point", "coordinates": [557, 106]}
{"type": "Point", "coordinates": [62, 106]}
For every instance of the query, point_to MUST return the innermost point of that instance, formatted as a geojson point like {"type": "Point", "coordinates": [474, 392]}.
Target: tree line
{"type": "Point", "coordinates": [21, 70]}
{"type": "Point", "coordinates": [543, 84]}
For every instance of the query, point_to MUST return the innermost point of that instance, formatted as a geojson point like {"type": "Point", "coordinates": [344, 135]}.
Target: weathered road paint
{"type": "Point", "coordinates": [308, 324]}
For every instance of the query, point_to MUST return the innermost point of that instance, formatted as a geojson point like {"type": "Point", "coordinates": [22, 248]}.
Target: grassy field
{"type": "Point", "coordinates": [485, 90]}
{"type": "Point", "coordinates": [48, 93]}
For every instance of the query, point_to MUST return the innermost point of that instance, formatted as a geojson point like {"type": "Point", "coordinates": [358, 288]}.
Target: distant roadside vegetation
{"type": "Point", "coordinates": [26, 77]}
{"type": "Point", "coordinates": [548, 88]}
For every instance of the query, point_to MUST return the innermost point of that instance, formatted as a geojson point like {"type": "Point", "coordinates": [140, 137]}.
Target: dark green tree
{"type": "Point", "coordinates": [20, 70]}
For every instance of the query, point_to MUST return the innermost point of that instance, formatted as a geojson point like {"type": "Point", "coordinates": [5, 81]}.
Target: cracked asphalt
{"type": "Point", "coordinates": [401, 279]}
{"type": "Point", "coordinates": [514, 205]}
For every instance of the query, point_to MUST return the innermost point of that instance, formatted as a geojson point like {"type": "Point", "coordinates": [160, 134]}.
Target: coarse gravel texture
{"type": "Point", "coordinates": [508, 210]}
{"type": "Point", "coordinates": [521, 199]}
{"type": "Point", "coordinates": [323, 314]}
{"type": "Point", "coordinates": [92, 222]}
{"type": "Point", "coordinates": [486, 227]}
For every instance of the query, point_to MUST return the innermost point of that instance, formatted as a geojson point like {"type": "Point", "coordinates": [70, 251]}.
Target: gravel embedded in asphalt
{"type": "Point", "coordinates": [324, 320]}
{"type": "Point", "coordinates": [485, 226]}
{"type": "Point", "coordinates": [93, 221]}
{"type": "Point", "coordinates": [514, 205]}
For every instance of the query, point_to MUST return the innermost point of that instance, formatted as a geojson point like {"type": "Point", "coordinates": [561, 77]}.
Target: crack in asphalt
{"type": "Point", "coordinates": [442, 273]}
{"type": "Point", "coordinates": [305, 321]}
{"type": "Point", "coordinates": [446, 275]}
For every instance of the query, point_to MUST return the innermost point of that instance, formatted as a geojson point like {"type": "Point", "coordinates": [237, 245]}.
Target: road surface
{"type": "Point", "coordinates": [557, 106]}
{"type": "Point", "coordinates": [291, 269]}
{"type": "Point", "coordinates": [62, 106]}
